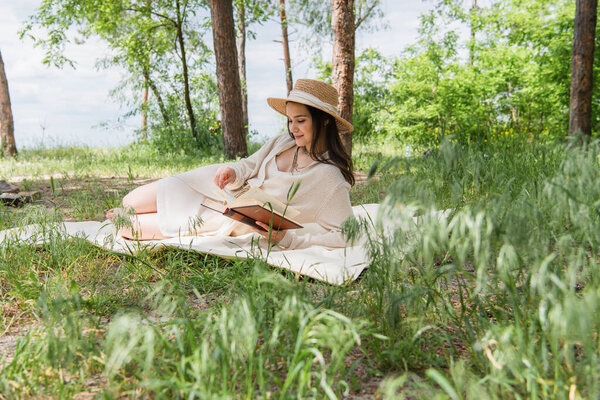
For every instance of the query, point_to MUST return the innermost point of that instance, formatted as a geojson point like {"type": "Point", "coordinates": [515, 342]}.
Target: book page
{"type": "Point", "coordinates": [218, 206]}
{"type": "Point", "coordinates": [223, 195]}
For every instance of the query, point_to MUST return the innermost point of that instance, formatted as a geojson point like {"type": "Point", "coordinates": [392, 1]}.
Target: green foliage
{"type": "Point", "coordinates": [255, 12]}
{"type": "Point", "coordinates": [317, 16]}
{"type": "Point", "coordinates": [175, 138]}
{"type": "Point", "coordinates": [236, 349]}
{"type": "Point", "coordinates": [371, 95]}
{"type": "Point", "coordinates": [509, 272]}
{"type": "Point", "coordinates": [495, 298]}
{"type": "Point", "coordinates": [159, 343]}
{"type": "Point", "coordinates": [510, 79]}
{"type": "Point", "coordinates": [176, 135]}
{"type": "Point", "coordinates": [148, 40]}
{"type": "Point", "coordinates": [483, 280]}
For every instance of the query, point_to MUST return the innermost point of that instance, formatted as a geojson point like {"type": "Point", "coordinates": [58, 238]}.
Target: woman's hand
{"type": "Point", "coordinates": [224, 176]}
{"type": "Point", "coordinates": [276, 236]}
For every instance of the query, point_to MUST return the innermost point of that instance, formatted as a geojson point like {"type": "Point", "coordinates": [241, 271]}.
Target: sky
{"type": "Point", "coordinates": [62, 107]}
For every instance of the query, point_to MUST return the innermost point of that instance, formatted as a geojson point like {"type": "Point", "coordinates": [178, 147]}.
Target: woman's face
{"type": "Point", "coordinates": [300, 123]}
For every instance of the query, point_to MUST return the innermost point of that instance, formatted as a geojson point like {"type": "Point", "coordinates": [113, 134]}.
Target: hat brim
{"type": "Point", "coordinates": [278, 105]}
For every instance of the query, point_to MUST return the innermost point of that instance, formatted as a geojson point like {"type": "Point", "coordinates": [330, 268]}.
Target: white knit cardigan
{"type": "Point", "coordinates": [323, 197]}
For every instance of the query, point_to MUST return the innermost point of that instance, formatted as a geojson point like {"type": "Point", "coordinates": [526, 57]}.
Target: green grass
{"type": "Point", "coordinates": [497, 300]}
{"type": "Point", "coordinates": [131, 161]}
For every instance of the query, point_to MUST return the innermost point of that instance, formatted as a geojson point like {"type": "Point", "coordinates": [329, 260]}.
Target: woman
{"type": "Point", "coordinates": [311, 153]}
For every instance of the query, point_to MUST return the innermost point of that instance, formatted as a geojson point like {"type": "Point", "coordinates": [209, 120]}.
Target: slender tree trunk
{"type": "Point", "coordinates": [472, 43]}
{"type": "Point", "coordinates": [286, 47]}
{"type": "Point", "coordinates": [146, 73]}
{"type": "Point", "coordinates": [241, 52]}
{"type": "Point", "coordinates": [228, 78]}
{"type": "Point", "coordinates": [145, 107]}
{"type": "Point", "coordinates": [159, 100]}
{"type": "Point", "coordinates": [186, 80]}
{"type": "Point", "coordinates": [7, 127]}
{"type": "Point", "coordinates": [580, 108]}
{"type": "Point", "coordinates": [514, 112]}
{"type": "Point", "coordinates": [342, 19]}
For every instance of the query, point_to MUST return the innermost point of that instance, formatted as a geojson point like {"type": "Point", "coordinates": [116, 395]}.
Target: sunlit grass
{"type": "Point", "coordinates": [131, 161]}
{"type": "Point", "coordinates": [497, 298]}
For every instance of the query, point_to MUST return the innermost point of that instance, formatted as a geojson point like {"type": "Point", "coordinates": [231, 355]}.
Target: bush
{"type": "Point", "coordinates": [177, 137]}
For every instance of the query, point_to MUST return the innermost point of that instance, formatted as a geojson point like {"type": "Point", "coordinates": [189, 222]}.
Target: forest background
{"type": "Point", "coordinates": [471, 74]}
{"type": "Point", "coordinates": [498, 298]}
{"type": "Point", "coordinates": [58, 114]}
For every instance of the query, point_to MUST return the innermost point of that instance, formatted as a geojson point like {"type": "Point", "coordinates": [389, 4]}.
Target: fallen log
{"type": "Point", "coordinates": [19, 199]}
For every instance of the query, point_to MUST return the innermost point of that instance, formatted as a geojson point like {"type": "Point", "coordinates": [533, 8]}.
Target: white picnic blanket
{"type": "Point", "coordinates": [336, 266]}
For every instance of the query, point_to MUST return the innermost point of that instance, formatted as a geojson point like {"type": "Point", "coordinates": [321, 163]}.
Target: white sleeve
{"type": "Point", "coordinates": [249, 166]}
{"type": "Point", "coordinates": [335, 210]}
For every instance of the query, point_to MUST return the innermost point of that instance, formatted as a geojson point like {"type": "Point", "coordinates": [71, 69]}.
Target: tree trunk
{"type": "Point", "coordinates": [145, 108]}
{"type": "Point", "coordinates": [159, 100]}
{"type": "Point", "coordinates": [286, 47]}
{"type": "Point", "coordinates": [241, 52]}
{"type": "Point", "coordinates": [580, 108]}
{"type": "Point", "coordinates": [7, 127]}
{"type": "Point", "coordinates": [472, 43]}
{"type": "Point", "coordinates": [186, 80]}
{"type": "Point", "coordinates": [228, 78]}
{"type": "Point", "coordinates": [146, 74]}
{"type": "Point", "coordinates": [342, 20]}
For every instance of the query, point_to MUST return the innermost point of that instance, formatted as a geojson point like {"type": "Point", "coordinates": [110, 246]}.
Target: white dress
{"type": "Point", "coordinates": [322, 198]}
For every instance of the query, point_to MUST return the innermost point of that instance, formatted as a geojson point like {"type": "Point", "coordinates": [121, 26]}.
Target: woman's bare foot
{"type": "Point", "coordinates": [113, 212]}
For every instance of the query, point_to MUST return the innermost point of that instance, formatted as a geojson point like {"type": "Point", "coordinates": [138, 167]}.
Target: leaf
{"type": "Point", "coordinates": [441, 380]}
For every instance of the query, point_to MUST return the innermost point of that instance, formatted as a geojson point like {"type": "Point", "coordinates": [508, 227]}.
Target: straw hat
{"type": "Point", "coordinates": [316, 94]}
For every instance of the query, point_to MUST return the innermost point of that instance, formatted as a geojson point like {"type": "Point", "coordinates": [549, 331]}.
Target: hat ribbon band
{"type": "Point", "coordinates": [297, 95]}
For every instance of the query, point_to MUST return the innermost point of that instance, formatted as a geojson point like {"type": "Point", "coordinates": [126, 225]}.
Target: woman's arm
{"type": "Point", "coordinates": [248, 167]}
{"type": "Point", "coordinates": [336, 209]}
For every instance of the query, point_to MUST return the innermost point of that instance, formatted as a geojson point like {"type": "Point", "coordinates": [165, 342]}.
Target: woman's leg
{"type": "Point", "coordinates": [143, 227]}
{"type": "Point", "coordinates": [142, 199]}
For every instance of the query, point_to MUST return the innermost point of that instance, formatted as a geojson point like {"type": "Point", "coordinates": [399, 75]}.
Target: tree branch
{"type": "Point", "coordinates": [361, 18]}
{"type": "Point", "coordinates": [166, 17]}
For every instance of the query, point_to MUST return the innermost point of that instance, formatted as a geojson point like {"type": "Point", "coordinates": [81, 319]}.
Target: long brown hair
{"type": "Point", "coordinates": [325, 132]}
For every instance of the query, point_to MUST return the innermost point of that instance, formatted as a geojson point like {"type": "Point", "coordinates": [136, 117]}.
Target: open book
{"type": "Point", "coordinates": [255, 205]}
